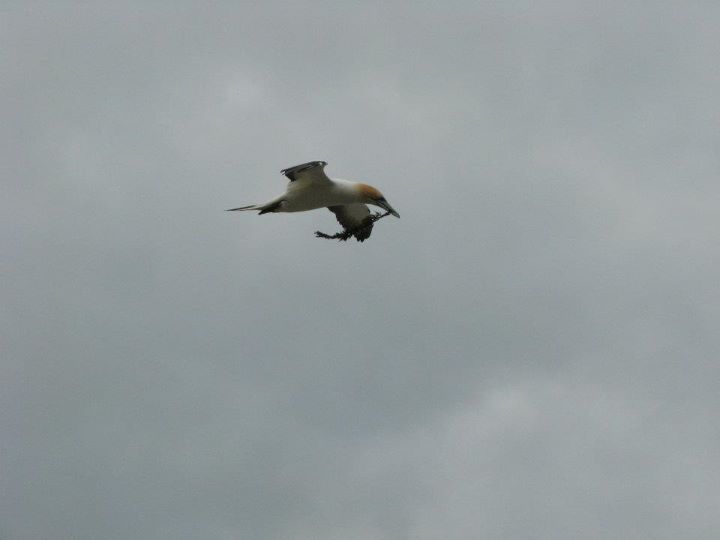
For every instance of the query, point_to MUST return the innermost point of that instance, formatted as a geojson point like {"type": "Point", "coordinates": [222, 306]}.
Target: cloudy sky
{"type": "Point", "coordinates": [531, 352]}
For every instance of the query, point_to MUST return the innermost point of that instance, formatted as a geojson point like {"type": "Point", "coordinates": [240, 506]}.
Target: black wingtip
{"type": "Point", "coordinates": [290, 172]}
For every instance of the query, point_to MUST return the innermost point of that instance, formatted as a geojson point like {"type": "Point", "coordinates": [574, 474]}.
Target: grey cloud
{"type": "Point", "coordinates": [529, 352]}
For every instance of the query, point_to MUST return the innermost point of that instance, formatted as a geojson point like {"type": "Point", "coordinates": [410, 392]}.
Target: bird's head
{"type": "Point", "coordinates": [373, 196]}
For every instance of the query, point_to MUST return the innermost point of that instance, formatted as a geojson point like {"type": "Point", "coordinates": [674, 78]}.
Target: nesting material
{"type": "Point", "coordinates": [356, 231]}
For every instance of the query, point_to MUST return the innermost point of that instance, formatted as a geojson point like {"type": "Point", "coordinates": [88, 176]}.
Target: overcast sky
{"type": "Point", "coordinates": [531, 352]}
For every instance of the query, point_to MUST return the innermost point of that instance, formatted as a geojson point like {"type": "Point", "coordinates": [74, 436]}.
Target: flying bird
{"type": "Point", "coordinates": [310, 188]}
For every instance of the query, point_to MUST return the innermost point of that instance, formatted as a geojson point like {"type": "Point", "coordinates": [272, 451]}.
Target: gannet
{"type": "Point", "coordinates": [310, 188]}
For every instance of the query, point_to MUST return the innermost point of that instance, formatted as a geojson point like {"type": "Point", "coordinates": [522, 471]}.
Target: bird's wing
{"type": "Point", "coordinates": [354, 218]}
{"type": "Point", "coordinates": [312, 171]}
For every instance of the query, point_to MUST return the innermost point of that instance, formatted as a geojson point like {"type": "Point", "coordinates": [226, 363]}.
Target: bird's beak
{"type": "Point", "coordinates": [386, 206]}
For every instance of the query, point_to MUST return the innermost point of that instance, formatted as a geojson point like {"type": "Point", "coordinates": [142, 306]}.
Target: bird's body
{"type": "Point", "coordinates": [303, 195]}
{"type": "Point", "coordinates": [309, 189]}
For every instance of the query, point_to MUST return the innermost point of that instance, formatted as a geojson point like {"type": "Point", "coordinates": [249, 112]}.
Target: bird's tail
{"type": "Point", "coordinates": [250, 207]}
{"type": "Point", "coordinates": [272, 206]}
